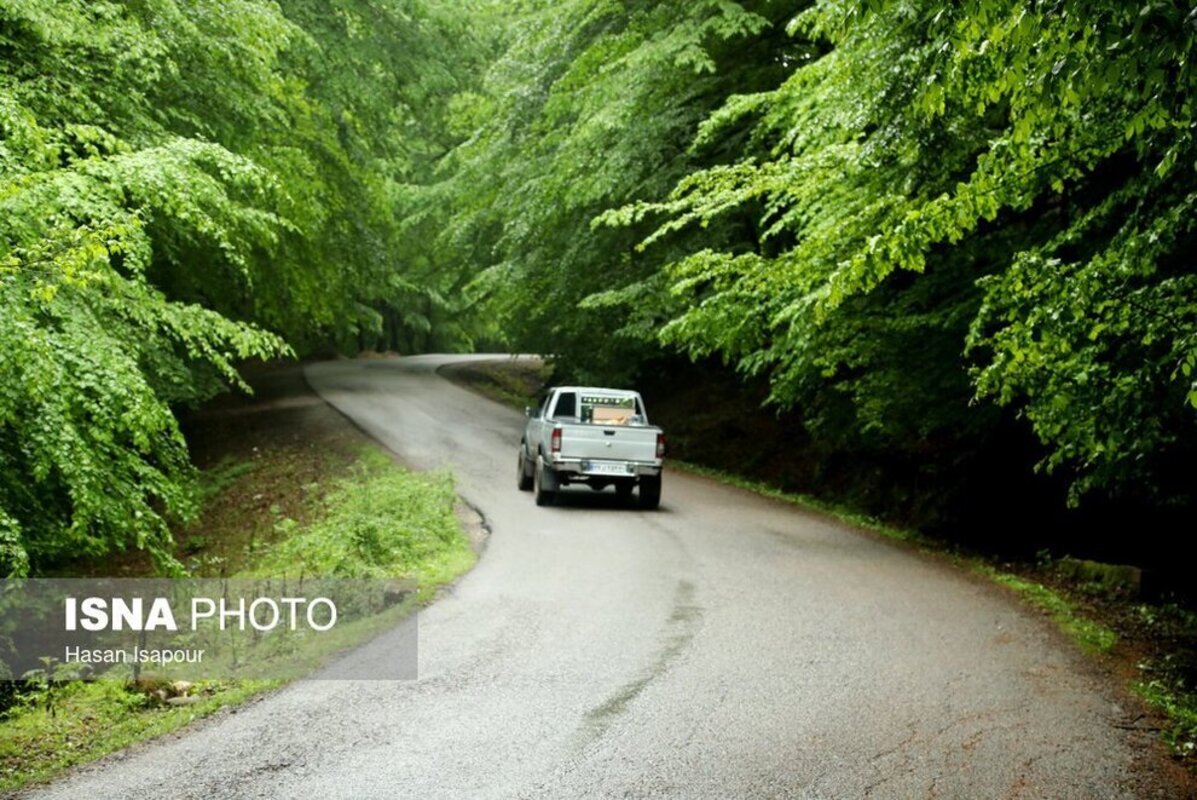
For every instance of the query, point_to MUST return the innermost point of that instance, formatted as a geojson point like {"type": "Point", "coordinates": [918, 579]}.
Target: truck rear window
{"type": "Point", "coordinates": [606, 410]}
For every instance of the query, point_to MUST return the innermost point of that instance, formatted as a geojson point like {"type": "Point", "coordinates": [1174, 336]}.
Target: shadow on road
{"type": "Point", "coordinates": [582, 497]}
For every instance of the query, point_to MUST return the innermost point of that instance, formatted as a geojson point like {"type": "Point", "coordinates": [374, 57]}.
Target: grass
{"type": "Point", "coordinates": [1180, 707]}
{"type": "Point", "coordinates": [380, 521]}
{"type": "Point", "coordinates": [1092, 636]}
{"type": "Point", "coordinates": [1168, 677]}
{"type": "Point", "coordinates": [219, 478]}
{"type": "Point", "coordinates": [304, 494]}
{"type": "Point", "coordinates": [90, 720]}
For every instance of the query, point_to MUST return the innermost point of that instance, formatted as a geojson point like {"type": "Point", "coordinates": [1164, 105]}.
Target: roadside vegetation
{"type": "Point", "coordinates": [78, 722]}
{"type": "Point", "coordinates": [185, 184]}
{"type": "Point", "coordinates": [290, 488]}
{"type": "Point", "coordinates": [379, 521]}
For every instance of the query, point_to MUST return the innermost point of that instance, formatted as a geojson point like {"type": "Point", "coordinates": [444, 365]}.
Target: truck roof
{"type": "Point", "coordinates": [594, 390]}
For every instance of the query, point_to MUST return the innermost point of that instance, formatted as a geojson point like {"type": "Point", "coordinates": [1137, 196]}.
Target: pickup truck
{"type": "Point", "coordinates": [599, 437]}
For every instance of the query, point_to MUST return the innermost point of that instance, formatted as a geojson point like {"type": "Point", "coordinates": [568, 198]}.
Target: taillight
{"type": "Point", "coordinates": [555, 441]}
{"type": "Point", "coordinates": [660, 445]}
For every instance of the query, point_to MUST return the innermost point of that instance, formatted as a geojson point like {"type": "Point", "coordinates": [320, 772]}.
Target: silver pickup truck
{"type": "Point", "coordinates": [599, 437]}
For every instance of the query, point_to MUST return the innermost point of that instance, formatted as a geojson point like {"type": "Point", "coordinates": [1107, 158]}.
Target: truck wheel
{"type": "Point", "coordinates": [544, 497]}
{"type": "Point", "coordinates": [650, 492]}
{"type": "Point", "coordinates": [524, 475]}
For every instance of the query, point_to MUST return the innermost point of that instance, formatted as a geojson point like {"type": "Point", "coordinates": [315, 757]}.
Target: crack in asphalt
{"type": "Point", "coordinates": [683, 623]}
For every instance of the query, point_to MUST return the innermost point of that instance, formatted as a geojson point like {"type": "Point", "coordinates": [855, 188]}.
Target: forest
{"type": "Point", "coordinates": [947, 248]}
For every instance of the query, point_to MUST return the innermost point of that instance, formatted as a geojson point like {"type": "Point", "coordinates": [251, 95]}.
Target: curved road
{"type": "Point", "coordinates": [725, 646]}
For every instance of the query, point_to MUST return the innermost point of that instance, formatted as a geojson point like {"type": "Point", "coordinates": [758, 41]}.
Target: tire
{"type": "Point", "coordinates": [544, 497]}
{"type": "Point", "coordinates": [650, 492]}
{"type": "Point", "coordinates": [523, 475]}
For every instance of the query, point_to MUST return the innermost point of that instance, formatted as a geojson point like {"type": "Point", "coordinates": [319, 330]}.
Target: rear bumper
{"type": "Point", "coordinates": [581, 469]}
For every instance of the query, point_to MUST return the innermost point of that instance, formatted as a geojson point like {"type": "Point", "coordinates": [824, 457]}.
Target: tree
{"type": "Point", "coordinates": [1061, 133]}
{"type": "Point", "coordinates": [184, 185]}
{"type": "Point", "coordinates": [591, 105]}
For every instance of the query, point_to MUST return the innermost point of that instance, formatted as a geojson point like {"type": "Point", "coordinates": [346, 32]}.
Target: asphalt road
{"type": "Point", "coordinates": [725, 646]}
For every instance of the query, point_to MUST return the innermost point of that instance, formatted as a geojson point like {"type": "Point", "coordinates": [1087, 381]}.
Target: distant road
{"type": "Point", "coordinates": [725, 646]}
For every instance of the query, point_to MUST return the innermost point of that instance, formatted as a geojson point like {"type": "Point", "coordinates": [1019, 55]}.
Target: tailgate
{"type": "Point", "coordinates": [616, 443]}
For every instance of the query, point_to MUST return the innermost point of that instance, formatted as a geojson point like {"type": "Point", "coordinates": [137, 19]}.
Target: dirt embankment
{"type": "Point", "coordinates": [263, 458]}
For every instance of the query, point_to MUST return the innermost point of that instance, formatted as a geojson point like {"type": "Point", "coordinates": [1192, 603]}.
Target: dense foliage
{"type": "Point", "coordinates": [1060, 138]}
{"type": "Point", "coordinates": [184, 185]}
{"type": "Point", "coordinates": [926, 226]}
{"type": "Point", "coordinates": [950, 239]}
{"type": "Point", "coordinates": [591, 105]}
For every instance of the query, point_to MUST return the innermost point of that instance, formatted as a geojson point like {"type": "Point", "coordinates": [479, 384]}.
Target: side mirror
{"type": "Point", "coordinates": [529, 411]}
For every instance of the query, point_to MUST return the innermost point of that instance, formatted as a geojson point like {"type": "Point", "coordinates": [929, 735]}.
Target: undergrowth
{"type": "Point", "coordinates": [378, 520]}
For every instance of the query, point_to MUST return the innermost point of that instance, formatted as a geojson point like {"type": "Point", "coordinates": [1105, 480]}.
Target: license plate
{"type": "Point", "coordinates": [605, 469]}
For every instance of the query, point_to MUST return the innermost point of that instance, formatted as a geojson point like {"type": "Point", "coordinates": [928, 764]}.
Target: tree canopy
{"type": "Point", "coordinates": [184, 185]}
{"type": "Point", "coordinates": [1059, 135]}
{"type": "Point", "coordinates": [903, 214]}
{"type": "Point", "coordinates": [916, 221]}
